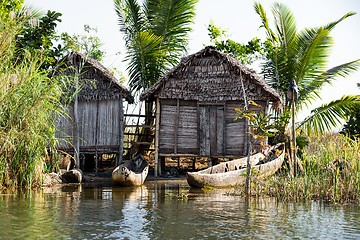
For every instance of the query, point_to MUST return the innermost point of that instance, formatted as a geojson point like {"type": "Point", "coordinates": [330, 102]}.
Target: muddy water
{"type": "Point", "coordinates": [167, 211]}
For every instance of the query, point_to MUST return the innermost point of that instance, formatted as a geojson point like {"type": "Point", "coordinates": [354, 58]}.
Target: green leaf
{"type": "Point", "coordinates": [327, 116]}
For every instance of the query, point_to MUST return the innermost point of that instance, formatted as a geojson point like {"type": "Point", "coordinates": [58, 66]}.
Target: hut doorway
{"type": "Point", "coordinates": [211, 126]}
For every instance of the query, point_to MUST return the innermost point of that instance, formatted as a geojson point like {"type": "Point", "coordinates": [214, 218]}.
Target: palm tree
{"type": "Point", "coordinates": [303, 56]}
{"type": "Point", "coordinates": [156, 35]}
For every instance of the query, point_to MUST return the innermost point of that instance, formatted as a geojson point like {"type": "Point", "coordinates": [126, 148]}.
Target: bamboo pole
{"type": "Point", "coordinates": [248, 143]}
{"type": "Point", "coordinates": [76, 129]}
{"type": "Point", "coordinates": [293, 134]}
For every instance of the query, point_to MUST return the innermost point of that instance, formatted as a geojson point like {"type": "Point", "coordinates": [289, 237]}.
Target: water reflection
{"type": "Point", "coordinates": [167, 211]}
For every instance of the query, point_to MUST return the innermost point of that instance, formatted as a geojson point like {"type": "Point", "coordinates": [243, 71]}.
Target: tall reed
{"type": "Point", "coordinates": [29, 103]}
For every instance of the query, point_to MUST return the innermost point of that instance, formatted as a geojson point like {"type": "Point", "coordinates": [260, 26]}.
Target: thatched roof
{"type": "Point", "coordinates": [210, 75]}
{"type": "Point", "coordinates": [102, 83]}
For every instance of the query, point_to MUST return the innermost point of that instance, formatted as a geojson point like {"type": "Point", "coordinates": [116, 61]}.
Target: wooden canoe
{"type": "Point", "coordinates": [131, 173]}
{"type": "Point", "coordinates": [234, 172]}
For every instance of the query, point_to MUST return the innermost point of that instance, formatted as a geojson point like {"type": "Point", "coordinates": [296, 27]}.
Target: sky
{"type": "Point", "coordinates": [237, 17]}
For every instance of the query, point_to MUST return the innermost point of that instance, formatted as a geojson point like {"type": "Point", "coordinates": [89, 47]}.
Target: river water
{"type": "Point", "coordinates": [167, 211]}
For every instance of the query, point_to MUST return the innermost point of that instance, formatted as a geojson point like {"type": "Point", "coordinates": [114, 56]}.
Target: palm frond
{"type": "Point", "coordinates": [311, 91]}
{"type": "Point", "coordinates": [331, 25]}
{"type": "Point", "coordinates": [313, 52]}
{"type": "Point", "coordinates": [342, 70]}
{"type": "Point", "coordinates": [329, 115]}
{"type": "Point", "coordinates": [146, 60]}
{"type": "Point", "coordinates": [130, 18]}
{"type": "Point", "coordinates": [265, 22]}
{"type": "Point", "coordinates": [285, 25]}
{"type": "Point", "coordinates": [171, 20]}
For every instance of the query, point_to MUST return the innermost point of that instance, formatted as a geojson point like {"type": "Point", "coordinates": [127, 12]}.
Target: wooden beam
{"type": "Point", "coordinates": [137, 134]}
{"type": "Point", "coordinates": [139, 143]}
{"type": "Point", "coordinates": [137, 115]}
{"type": "Point", "coordinates": [157, 131]}
{"type": "Point", "coordinates": [177, 155]}
{"type": "Point", "coordinates": [140, 126]}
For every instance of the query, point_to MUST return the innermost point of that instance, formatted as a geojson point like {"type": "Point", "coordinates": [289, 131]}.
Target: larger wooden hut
{"type": "Point", "coordinates": [196, 103]}
{"type": "Point", "coordinates": [95, 121]}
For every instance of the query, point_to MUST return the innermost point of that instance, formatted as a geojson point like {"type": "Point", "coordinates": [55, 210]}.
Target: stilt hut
{"type": "Point", "coordinates": [195, 106]}
{"type": "Point", "coordinates": [94, 124]}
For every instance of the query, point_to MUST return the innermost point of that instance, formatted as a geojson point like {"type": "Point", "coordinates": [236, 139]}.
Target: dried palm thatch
{"type": "Point", "coordinates": [98, 83]}
{"type": "Point", "coordinates": [212, 76]}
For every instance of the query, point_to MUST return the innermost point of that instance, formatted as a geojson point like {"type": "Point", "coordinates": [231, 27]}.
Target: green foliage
{"type": "Point", "coordinates": [88, 44]}
{"type": "Point", "coordinates": [6, 6]}
{"type": "Point", "coordinates": [281, 122]}
{"type": "Point", "coordinates": [29, 103]}
{"type": "Point", "coordinates": [246, 53]}
{"type": "Point", "coordinates": [327, 115]}
{"type": "Point", "coordinates": [36, 37]}
{"type": "Point", "coordinates": [259, 123]}
{"type": "Point", "coordinates": [216, 33]}
{"type": "Point", "coordinates": [156, 34]}
{"type": "Point", "coordinates": [352, 126]}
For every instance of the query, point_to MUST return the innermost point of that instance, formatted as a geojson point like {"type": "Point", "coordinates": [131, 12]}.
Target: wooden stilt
{"type": "Point", "coordinates": [96, 162]}
{"type": "Point", "coordinates": [162, 165]}
{"type": "Point", "coordinates": [209, 161]}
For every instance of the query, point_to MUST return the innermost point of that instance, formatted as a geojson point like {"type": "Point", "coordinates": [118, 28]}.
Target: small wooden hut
{"type": "Point", "coordinates": [95, 121]}
{"type": "Point", "coordinates": [195, 106]}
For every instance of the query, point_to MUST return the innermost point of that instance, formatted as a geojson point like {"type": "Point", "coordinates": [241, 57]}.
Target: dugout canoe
{"type": "Point", "coordinates": [234, 172]}
{"type": "Point", "coordinates": [131, 173]}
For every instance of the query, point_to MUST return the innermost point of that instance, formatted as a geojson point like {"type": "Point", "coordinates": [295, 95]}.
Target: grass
{"type": "Point", "coordinates": [331, 173]}
{"type": "Point", "coordinates": [29, 103]}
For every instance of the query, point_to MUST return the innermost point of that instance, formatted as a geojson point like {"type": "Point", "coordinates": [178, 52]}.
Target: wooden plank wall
{"type": "Point", "coordinates": [211, 127]}
{"type": "Point", "coordinates": [109, 120]}
{"type": "Point", "coordinates": [108, 132]}
{"type": "Point", "coordinates": [167, 126]}
{"type": "Point", "coordinates": [187, 136]}
{"type": "Point", "coordinates": [204, 128]}
{"type": "Point", "coordinates": [181, 119]}
{"type": "Point", "coordinates": [184, 126]}
{"type": "Point", "coordinates": [235, 130]}
{"type": "Point", "coordinates": [65, 125]}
